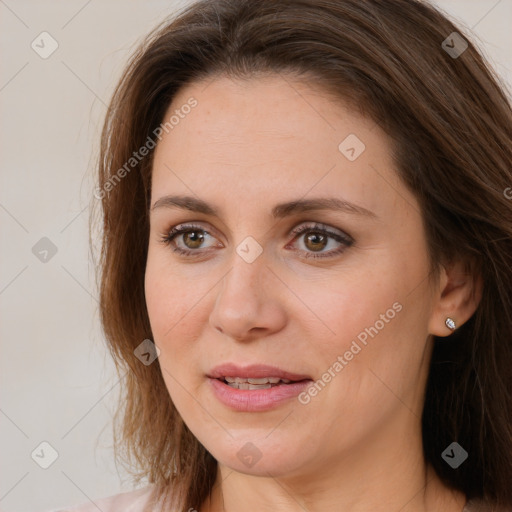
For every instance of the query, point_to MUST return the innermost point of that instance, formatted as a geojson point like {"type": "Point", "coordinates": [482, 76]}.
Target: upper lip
{"type": "Point", "coordinates": [254, 371]}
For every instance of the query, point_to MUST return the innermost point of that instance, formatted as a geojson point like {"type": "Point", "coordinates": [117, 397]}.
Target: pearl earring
{"type": "Point", "coordinates": [450, 324]}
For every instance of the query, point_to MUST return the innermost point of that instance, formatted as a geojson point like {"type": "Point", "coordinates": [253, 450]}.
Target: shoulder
{"type": "Point", "coordinates": [131, 501]}
{"type": "Point", "coordinates": [476, 505]}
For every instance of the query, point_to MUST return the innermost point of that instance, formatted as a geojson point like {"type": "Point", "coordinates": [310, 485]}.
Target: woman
{"type": "Point", "coordinates": [306, 270]}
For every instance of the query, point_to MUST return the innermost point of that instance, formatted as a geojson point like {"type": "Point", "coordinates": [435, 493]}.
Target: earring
{"type": "Point", "coordinates": [450, 324]}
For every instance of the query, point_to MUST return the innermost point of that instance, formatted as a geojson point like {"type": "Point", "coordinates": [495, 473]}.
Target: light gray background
{"type": "Point", "coordinates": [57, 381]}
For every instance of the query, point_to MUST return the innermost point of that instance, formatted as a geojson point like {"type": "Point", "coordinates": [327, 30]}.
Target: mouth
{"type": "Point", "coordinates": [256, 376]}
{"type": "Point", "coordinates": [255, 388]}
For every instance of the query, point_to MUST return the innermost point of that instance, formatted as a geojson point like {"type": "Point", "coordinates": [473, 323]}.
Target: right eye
{"type": "Point", "coordinates": [190, 234]}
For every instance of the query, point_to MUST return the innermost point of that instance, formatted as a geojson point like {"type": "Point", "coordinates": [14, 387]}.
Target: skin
{"type": "Point", "coordinates": [356, 446]}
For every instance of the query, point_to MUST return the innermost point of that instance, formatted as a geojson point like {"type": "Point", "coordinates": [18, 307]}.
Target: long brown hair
{"type": "Point", "coordinates": [450, 122]}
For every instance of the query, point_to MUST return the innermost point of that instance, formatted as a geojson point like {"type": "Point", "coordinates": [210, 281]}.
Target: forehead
{"type": "Point", "coordinates": [274, 110]}
{"type": "Point", "coordinates": [272, 137]}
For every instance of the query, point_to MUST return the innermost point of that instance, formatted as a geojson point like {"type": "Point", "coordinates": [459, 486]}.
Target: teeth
{"type": "Point", "coordinates": [264, 380]}
{"type": "Point", "coordinates": [271, 380]}
{"type": "Point", "coordinates": [246, 385]}
{"type": "Point", "coordinates": [263, 383]}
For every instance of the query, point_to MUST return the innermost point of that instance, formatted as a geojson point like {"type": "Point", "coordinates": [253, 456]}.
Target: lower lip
{"type": "Point", "coordinates": [255, 400]}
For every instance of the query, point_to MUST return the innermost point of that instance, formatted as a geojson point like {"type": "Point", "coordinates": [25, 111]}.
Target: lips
{"type": "Point", "coordinates": [255, 388]}
{"type": "Point", "coordinates": [254, 374]}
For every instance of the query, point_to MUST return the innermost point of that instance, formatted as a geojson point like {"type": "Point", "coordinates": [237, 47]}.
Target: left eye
{"type": "Point", "coordinates": [318, 237]}
{"type": "Point", "coordinates": [193, 237]}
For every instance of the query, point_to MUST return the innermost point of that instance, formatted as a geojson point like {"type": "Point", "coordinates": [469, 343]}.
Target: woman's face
{"type": "Point", "coordinates": [333, 293]}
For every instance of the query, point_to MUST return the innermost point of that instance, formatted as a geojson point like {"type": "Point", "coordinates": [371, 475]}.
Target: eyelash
{"type": "Point", "coordinates": [347, 241]}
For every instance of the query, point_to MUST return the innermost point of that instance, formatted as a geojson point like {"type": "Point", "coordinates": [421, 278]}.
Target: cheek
{"type": "Point", "coordinates": [157, 292]}
{"type": "Point", "coordinates": [168, 297]}
{"type": "Point", "coordinates": [380, 335]}
{"type": "Point", "coordinates": [345, 307]}
{"type": "Point", "coordinates": [365, 319]}
{"type": "Point", "coordinates": [176, 309]}
{"type": "Point", "coordinates": [171, 316]}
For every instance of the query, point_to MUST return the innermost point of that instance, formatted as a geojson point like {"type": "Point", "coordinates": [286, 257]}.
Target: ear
{"type": "Point", "coordinates": [457, 295]}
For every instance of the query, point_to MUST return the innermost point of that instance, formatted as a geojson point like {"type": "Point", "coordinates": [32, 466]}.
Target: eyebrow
{"type": "Point", "coordinates": [279, 211]}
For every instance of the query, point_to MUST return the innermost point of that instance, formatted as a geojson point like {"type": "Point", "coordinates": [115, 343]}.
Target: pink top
{"type": "Point", "coordinates": [134, 501]}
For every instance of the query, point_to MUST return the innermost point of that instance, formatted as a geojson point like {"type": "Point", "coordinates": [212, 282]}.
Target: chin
{"type": "Point", "coordinates": [263, 468]}
{"type": "Point", "coordinates": [262, 457]}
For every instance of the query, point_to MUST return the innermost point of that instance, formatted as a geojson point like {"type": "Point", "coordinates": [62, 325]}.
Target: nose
{"type": "Point", "coordinates": [250, 301]}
